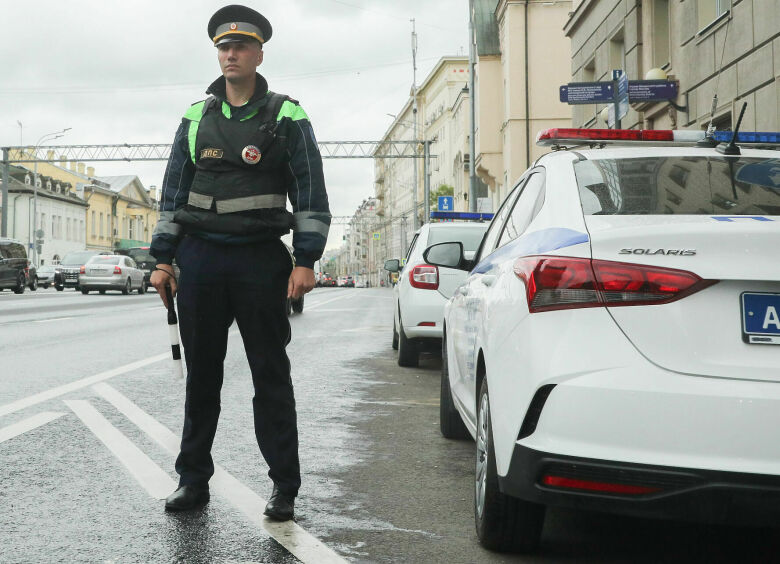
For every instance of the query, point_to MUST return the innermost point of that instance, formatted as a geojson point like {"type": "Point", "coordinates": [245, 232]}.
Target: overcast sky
{"type": "Point", "coordinates": [125, 71]}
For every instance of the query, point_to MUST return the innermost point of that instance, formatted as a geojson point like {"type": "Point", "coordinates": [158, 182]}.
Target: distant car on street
{"type": "Point", "coordinates": [70, 267]}
{"type": "Point", "coordinates": [145, 261]}
{"type": "Point", "coordinates": [45, 275]}
{"type": "Point", "coordinates": [111, 272]}
{"type": "Point", "coordinates": [14, 266]}
{"type": "Point", "coordinates": [423, 289]}
{"type": "Point", "coordinates": [327, 281]}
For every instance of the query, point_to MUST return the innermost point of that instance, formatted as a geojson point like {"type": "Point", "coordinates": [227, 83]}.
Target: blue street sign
{"type": "Point", "coordinates": [586, 92]}
{"type": "Point", "coordinates": [446, 203]}
{"type": "Point", "coordinates": [622, 93]}
{"type": "Point", "coordinates": [652, 90]}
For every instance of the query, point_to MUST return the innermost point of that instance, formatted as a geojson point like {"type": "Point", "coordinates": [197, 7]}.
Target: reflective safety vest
{"type": "Point", "coordinates": [241, 170]}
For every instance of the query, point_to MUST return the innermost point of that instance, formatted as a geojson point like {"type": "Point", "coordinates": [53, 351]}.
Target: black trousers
{"type": "Point", "coordinates": [248, 283]}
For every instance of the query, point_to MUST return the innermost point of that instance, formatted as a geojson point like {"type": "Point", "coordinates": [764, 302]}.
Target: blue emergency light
{"type": "Point", "coordinates": [761, 137]}
{"type": "Point", "coordinates": [462, 215]}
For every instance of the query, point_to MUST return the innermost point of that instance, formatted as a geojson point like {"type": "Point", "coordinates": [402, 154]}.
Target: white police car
{"type": "Point", "coordinates": [615, 345]}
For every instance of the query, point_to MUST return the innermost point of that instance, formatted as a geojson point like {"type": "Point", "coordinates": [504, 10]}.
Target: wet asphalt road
{"type": "Point", "coordinates": [82, 469]}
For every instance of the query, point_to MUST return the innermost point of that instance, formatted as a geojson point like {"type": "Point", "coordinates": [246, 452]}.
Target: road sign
{"type": "Point", "coordinates": [39, 234]}
{"type": "Point", "coordinates": [587, 92]}
{"type": "Point", "coordinates": [446, 203]}
{"type": "Point", "coordinates": [376, 236]}
{"type": "Point", "coordinates": [652, 90]}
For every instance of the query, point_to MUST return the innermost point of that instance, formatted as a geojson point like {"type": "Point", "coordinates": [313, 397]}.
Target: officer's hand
{"type": "Point", "coordinates": [301, 282]}
{"type": "Point", "coordinates": [161, 278]}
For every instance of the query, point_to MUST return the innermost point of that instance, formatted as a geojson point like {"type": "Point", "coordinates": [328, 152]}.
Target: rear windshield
{"type": "Point", "coordinates": [105, 259]}
{"type": "Point", "coordinates": [470, 237]}
{"type": "Point", "coordinates": [679, 185]}
{"type": "Point", "coordinates": [77, 259]}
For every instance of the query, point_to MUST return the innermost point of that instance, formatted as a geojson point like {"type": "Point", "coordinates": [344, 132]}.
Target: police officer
{"type": "Point", "coordinates": [236, 158]}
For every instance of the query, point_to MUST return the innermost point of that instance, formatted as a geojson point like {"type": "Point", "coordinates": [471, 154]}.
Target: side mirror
{"type": "Point", "coordinates": [448, 255]}
{"type": "Point", "coordinates": [393, 265]}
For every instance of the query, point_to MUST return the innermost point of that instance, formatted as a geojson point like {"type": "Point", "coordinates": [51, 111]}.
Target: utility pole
{"type": "Point", "coordinates": [415, 224]}
{"type": "Point", "coordinates": [4, 215]}
{"type": "Point", "coordinates": [473, 108]}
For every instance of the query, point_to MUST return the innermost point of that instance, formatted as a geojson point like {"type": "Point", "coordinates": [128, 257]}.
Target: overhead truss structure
{"type": "Point", "coordinates": [161, 151]}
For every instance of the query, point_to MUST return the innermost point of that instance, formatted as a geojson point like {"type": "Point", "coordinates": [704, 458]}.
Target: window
{"type": "Point", "coordinates": [589, 71]}
{"type": "Point", "coordinates": [67, 229]}
{"type": "Point", "coordinates": [101, 225]}
{"type": "Point", "coordinates": [661, 34]}
{"type": "Point", "coordinates": [489, 242]}
{"type": "Point", "coordinates": [617, 52]}
{"type": "Point", "coordinates": [131, 226]}
{"type": "Point", "coordinates": [707, 11]}
{"type": "Point", "coordinates": [93, 224]}
{"type": "Point", "coordinates": [525, 210]}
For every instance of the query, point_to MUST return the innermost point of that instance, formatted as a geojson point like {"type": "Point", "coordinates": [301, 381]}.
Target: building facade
{"type": "Point", "coordinates": [442, 118]}
{"type": "Point", "coordinates": [728, 47]}
{"type": "Point", "coordinates": [42, 205]}
{"type": "Point", "coordinates": [522, 58]}
{"type": "Point", "coordinates": [362, 240]}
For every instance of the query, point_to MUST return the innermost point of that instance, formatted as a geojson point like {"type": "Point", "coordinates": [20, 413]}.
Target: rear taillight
{"type": "Point", "coordinates": [565, 282]}
{"type": "Point", "coordinates": [82, 270]}
{"type": "Point", "coordinates": [117, 270]}
{"type": "Point", "coordinates": [425, 277]}
{"type": "Point", "coordinates": [593, 486]}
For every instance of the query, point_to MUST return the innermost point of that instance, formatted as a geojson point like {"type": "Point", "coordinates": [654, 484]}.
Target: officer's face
{"type": "Point", "coordinates": [238, 61]}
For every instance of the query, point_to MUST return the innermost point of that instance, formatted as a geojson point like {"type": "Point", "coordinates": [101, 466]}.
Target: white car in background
{"type": "Point", "coordinates": [111, 272]}
{"type": "Point", "coordinates": [423, 289]}
{"type": "Point", "coordinates": [615, 345]}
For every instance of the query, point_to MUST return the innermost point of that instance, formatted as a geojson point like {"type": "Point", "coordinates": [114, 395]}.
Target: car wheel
{"type": "Point", "coordinates": [84, 291]}
{"type": "Point", "coordinates": [142, 289]}
{"type": "Point", "coordinates": [102, 292]}
{"type": "Point", "coordinates": [34, 284]}
{"type": "Point", "coordinates": [297, 305]}
{"type": "Point", "coordinates": [450, 422]}
{"type": "Point", "coordinates": [395, 336]}
{"type": "Point", "coordinates": [408, 354]}
{"type": "Point", "coordinates": [503, 523]}
{"type": "Point", "coordinates": [59, 288]}
{"type": "Point", "coordinates": [128, 287]}
{"type": "Point", "coordinates": [19, 289]}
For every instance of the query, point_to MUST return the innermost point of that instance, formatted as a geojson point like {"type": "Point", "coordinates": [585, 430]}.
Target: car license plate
{"type": "Point", "coordinates": [761, 318]}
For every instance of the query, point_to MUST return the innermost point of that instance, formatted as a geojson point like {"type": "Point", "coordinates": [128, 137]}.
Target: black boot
{"type": "Point", "coordinates": [187, 497]}
{"type": "Point", "coordinates": [281, 506]}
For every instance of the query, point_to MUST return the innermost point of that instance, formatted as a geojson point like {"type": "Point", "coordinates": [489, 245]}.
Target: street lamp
{"type": "Point", "coordinates": [44, 138]}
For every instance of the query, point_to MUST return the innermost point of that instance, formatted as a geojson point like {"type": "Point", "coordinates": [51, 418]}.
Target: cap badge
{"type": "Point", "coordinates": [233, 26]}
{"type": "Point", "coordinates": [251, 154]}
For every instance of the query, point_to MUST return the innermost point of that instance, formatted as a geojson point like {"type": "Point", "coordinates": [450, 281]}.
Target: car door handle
{"type": "Point", "coordinates": [488, 279]}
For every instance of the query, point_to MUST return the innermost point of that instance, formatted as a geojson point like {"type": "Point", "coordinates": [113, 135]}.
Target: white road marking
{"type": "Point", "coordinates": [28, 424]}
{"type": "Point", "coordinates": [78, 384]}
{"type": "Point", "coordinates": [307, 307]}
{"type": "Point", "coordinates": [52, 319]}
{"type": "Point", "coordinates": [151, 477]}
{"type": "Point", "coordinates": [304, 546]}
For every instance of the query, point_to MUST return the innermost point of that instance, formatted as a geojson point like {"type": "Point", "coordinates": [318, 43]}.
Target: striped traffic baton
{"type": "Point", "coordinates": [173, 330]}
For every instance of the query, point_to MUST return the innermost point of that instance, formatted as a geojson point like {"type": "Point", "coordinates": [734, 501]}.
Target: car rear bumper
{"type": "Point", "coordinates": [102, 281]}
{"type": "Point", "coordinates": [678, 493]}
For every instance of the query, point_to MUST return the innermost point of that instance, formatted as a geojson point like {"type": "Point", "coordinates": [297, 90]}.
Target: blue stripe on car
{"type": "Point", "coordinates": [535, 243]}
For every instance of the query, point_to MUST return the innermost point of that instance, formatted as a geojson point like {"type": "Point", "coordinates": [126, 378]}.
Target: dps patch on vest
{"type": "Point", "coordinates": [211, 154]}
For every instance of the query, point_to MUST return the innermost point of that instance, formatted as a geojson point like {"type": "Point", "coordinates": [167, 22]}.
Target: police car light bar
{"type": "Point", "coordinates": [571, 136]}
{"type": "Point", "coordinates": [462, 215]}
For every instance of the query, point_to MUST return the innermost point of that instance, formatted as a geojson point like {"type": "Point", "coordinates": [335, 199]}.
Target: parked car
{"type": "Point", "coordinates": [349, 282]}
{"type": "Point", "coordinates": [423, 289]}
{"type": "Point", "coordinates": [614, 345]}
{"type": "Point", "coordinates": [361, 284]}
{"type": "Point", "coordinates": [327, 281]}
{"type": "Point", "coordinates": [45, 275]}
{"type": "Point", "coordinates": [145, 261]}
{"type": "Point", "coordinates": [70, 267]}
{"type": "Point", "coordinates": [111, 272]}
{"type": "Point", "coordinates": [13, 265]}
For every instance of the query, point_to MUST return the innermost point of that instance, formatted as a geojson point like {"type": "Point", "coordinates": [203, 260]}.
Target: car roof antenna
{"type": "Point", "coordinates": [732, 148]}
{"type": "Point", "coordinates": [709, 140]}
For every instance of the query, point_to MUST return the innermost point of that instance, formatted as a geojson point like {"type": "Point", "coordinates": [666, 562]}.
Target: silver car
{"type": "Point", "coordinates": [111, 272]}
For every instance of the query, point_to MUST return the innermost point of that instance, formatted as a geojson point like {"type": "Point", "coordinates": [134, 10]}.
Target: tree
{"type": "Point", "coordinates": [442, 190]}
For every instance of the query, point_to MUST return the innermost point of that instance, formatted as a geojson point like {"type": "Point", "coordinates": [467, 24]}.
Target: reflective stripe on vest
{"type": "Point", "coordinates": [262, 201]}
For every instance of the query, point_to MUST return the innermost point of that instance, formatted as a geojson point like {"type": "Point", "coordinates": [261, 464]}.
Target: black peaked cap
{"type": "Point", "coordinates": [237, 14]}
